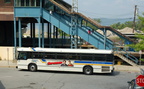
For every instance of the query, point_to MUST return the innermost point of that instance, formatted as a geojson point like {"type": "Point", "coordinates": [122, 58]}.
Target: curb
{"type": "Point", "coordinates": [8, 66]}
{"type": "Point", "coordinates": [127, 68]}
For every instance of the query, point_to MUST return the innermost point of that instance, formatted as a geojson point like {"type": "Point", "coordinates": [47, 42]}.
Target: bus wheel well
{"type": "Point", "coordinates": [32, 67]}
{"type": "Point", "coordinates": [88, 69]}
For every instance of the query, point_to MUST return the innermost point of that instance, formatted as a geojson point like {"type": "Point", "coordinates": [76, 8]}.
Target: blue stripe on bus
{"type": "Point", "coordinates": [90, 62]}
{"type": "Point", "coordinates": [33, 49]}
{"type": "Point", "coordinates": [43, 60]}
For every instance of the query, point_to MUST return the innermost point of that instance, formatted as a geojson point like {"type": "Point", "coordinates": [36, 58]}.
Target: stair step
{"type": "Point", "coordinates": [126, 59]}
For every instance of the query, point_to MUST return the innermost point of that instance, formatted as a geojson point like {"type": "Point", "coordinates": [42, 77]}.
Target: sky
{"type": "Point", "coordinates": [109, 8]}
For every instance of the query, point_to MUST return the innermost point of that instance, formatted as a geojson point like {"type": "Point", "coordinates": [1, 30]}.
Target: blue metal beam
{"type": "Point", "coordinates": [104, 32]}
{"type": "Point", "coordinates": [43, 33]}
{"type": "Point", "coordinates": [15, 40]}
{"type": "Point", "coordinates": [27, 12]}
{"type": "Point", "coordinates": [39, 32]}
{"type": "Point", "coordinates": [20, 32]}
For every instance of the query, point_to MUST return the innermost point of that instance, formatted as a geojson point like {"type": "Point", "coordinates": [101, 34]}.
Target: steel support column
{"type": "Point", "coordinates": [42, 33]}
{"type": "Point", "coordinates": [39, 32]}
{"type": "Point", "coordinates": [56, 41]}
{"type": "Point", "coordinates": [53, 41]}
{"type": "Point", "coordinates": [15, 39]}
{"type": "Point", "coordinates": [62, 41]}
{"type": "Point", "coordinates": [33, 30]}
{"type": "Point", "coordinates": [50, 41]}
{"type": "Point", "coordinates": [74, 31]}
{"type": "Point", "coordinates": [20, 32]}
{"type": "Point", "coordinates": [48, 35]}
{"type": "Point", "coordinates": [104, 32]}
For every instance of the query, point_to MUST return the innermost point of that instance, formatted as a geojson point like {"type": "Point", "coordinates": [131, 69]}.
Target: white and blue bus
{"type": "Point", "coordinates": [77, 60]}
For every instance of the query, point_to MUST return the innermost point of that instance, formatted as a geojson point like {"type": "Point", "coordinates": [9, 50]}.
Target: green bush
{"type": "Point", "coordinates": [142, 60]}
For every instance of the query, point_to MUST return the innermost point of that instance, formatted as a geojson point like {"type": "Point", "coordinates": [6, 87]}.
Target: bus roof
{"type": "Point", "coordinates": [65, 50]}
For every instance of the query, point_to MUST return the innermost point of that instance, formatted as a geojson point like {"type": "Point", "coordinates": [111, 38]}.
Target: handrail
{"type": "Point", "coordinates": [91, 21]}
{"type": "Point", "coordinates": [125, 53]}
{"type": "Point", "coordinates": [95, 35]}
{"type": "Point", "coordinates": [98, 34]}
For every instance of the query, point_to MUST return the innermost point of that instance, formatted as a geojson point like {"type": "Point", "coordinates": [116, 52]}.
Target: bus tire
{"type": "Point", "coordinates": [88, 70]}
{"type": "Point", "coordinates": [32, 67]}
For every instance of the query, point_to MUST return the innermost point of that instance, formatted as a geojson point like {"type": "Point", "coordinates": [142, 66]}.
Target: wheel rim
{"type": "Point", "coordinates": [32, 68]}
{"type": "Point", "coordinates": [88, 70]}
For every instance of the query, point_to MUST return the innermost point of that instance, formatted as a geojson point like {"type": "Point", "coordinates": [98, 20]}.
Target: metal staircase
{"type": "Point", "coordinates": [95, 39]}
{"type": "Point", "coordinates": [91, 21]}
{"type": "Point", "coordinates": [125, 56]}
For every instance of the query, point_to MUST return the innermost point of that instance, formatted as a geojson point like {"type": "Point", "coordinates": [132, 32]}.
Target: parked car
{"type": "Point", "coordinates": [132, 84]}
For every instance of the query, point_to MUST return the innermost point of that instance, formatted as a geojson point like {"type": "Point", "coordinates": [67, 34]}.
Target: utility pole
{"type": "Point", "coordinates": [134, 21]}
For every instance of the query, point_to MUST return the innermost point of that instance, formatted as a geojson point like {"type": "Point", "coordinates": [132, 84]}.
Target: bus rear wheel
{"type": "Point", "coordinates": [32, 67]}
{"type": "Point", "coordinates": [88, 70]}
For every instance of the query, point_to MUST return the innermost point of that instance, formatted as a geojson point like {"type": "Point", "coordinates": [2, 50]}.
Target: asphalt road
{"type": "Point", "coordinates": [11, 78]}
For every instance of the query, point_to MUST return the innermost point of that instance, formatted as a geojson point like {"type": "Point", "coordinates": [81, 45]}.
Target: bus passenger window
{"type": "Point", "coordinates": [22, 56]}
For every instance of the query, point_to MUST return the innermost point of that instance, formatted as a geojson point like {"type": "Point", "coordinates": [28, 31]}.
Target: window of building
{"type": "Point", "coordinates": [7, 1]}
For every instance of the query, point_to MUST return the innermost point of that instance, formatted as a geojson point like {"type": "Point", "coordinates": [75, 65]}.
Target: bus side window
{"type": "Point", "coordinates": [22, 56]}
{"type": "Point", "coordinates": [50, 56]}
{"type": "Point", "coordinates": [29, 55]}
{"type": "Point", "coordinates": [99, 57]}
{"type": "Point", "coordinates": [88, 57]}
{"type": "Point", "coordinates": [110, 57]}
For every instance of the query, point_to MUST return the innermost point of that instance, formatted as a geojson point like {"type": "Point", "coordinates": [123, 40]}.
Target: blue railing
{"type": "Point", "coordinates": [98, 38]}
{"type": "Point", "coordinates": [126, 54]}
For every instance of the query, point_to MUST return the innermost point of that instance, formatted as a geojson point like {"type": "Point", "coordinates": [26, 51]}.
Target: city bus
{"type": "Point", "coordinates": [88, 61]}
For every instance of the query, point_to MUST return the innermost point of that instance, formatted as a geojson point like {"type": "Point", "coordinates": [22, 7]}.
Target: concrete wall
{"type": "Point", "coordinates": [6, 53]}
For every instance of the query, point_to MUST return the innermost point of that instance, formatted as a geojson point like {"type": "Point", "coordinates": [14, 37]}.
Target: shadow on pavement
{"type": "Point", "coordinates": [115, 73]}
{"type": "Point", "coordinates": [2, 86]}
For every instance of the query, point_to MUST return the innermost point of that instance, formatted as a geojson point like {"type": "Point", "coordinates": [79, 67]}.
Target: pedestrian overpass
{"type": "Point", "coordinates": [58, 15]}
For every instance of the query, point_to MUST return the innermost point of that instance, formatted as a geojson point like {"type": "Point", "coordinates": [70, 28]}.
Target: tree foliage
{"type": "Point", "coordinates": [122, 25]}
{"type": "Point", "coordinates": [98, 20]}
{"type": "Point", "coordinates": [140, 44]}
{"type": "Point", "coordinates": [139, 24]}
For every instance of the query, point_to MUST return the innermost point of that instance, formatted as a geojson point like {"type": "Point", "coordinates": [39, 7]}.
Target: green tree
{"type": "Point", "coordinates": [122, 25]}
{"type": "Point", "coordinates": [98, 20]}
{"type": "Point", "coordinates": [140, 44]}
{"type": "Point", "coordinates": [129, 24]}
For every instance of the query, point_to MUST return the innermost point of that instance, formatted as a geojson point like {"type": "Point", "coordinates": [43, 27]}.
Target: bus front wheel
{"type": "Point", "coordinates": [88, 70]}
{"type": "Point", "coordinates": [32, 67]}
